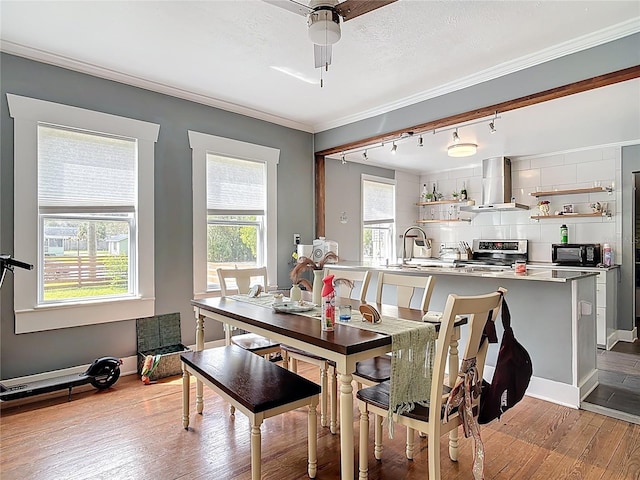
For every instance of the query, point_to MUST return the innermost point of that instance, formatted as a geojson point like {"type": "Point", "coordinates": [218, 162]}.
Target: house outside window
{"type": "Point", "coordinates": [83, 215]}
{"type": "Point", "coordinates": [378, 219]}
{"type": "Point", "coordinates": [234, 196]}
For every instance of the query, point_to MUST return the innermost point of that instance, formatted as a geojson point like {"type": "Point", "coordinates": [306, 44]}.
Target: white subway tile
{"type": "Point", "coordinates": [591, 155]}
{"type": "Point", "coordinates": [596, 171]}
{"type": "Point", "coordinates": [550, 161]}
{"type": "Point", "coordinates": [559, 175]}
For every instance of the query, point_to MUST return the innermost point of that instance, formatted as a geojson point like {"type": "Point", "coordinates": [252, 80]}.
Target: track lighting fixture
{"type": "Point", "coordinates": [344, 160]}
{"type": "Point", "coordinates": [420, 144]}
{"type": "Point", "coordinates": [456, 138]}
{"type": "Point", "coordinates": [492, 127]}
{"type": "Point", "coordinates": [394, 149]}
{"type": "Point", "coordinates": [364, 155]}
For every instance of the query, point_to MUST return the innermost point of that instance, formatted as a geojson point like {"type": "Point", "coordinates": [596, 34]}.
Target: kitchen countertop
{"type": "Point", "coordinates": [551, 273]}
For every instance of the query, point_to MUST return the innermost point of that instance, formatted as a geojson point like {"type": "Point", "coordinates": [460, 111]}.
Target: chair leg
{"type": "Point", "coordinates": [453, 444]}
{"type": "Point", "coordinates": [364, 442]}
{"type": "Point", "coordinates": [377, 446]}
{"type": "Point", "coordinates": [312, 434]}
{"type": "Point", "coordinates": [410, 442]}
{"type": "Point", "coordinates": [434, 452]}
{"type": "Point", "coordinates": [285, 359]}
{"type": "Point", "coordinates": [323, 396]}
{"type": "Point", "coordinates": [333, 425]}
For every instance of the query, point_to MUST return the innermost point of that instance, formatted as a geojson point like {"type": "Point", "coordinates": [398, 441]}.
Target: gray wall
{"type": "Point", "coordinates": [37, 352]}
{"type": "Point", "coordinates": [344, 194]}
{"type": "Point", "coordinates": [627, 292]}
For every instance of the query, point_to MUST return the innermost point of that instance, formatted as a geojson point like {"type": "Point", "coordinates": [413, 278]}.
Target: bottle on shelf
{"type": "Point", "coordinates": [564, 234]}
{"type": "Point", "coordinates": [607, 255]}
{"type": "Point", "coordinates": [435, 193]}
{"type": "Point", "coordinates": [463, 192]}
{"type": "Point", "coordinates": [423, 197]}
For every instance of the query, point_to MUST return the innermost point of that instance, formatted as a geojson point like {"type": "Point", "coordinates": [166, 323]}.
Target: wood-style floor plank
{"type": "Point", "coordinates": [133, 431]}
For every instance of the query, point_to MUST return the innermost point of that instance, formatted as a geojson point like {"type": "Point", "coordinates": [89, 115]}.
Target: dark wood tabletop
{"type": "Point", "coordinates": [345, 340]}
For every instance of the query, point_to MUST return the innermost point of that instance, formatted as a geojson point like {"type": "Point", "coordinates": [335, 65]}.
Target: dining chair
{"type": "Point", "coordinates": [432, 419]}
{"type": "Point", "coordinates": [243, 278]}
{"type": "Point", "coordinates": [378, 369]}
{"type": "Point", "coordinates": [291, 355]}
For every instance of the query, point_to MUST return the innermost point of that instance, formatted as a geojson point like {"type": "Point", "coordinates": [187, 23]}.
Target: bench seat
{"type": "Point", "coordinates": [258, 388]}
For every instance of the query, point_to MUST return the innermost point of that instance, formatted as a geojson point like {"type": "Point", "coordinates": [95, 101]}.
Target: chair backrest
{"type": "Point", "coordinates": [406, 286]}
{"type": "Point", "coordinates": [243, 278]}
{"type": "Point", "coordinates": [342, 290]}
{"type": "Point", "coordinates": [476, 309]}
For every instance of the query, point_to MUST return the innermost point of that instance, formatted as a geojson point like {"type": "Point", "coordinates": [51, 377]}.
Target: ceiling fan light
{"type": "Point", "coordinates": [324, 26]}
{"type": "Point", "coordinates": [462, 150]}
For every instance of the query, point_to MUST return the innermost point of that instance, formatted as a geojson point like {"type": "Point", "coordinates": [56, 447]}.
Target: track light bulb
{"type": "Point", "coordinates": [492, 127]}
{"type": "Point", "coordinates": [456, 138]}
{"type": "Point", "coordinates": [394, 149]}
{"type": "Point", "coordinates": [344, 160]}
{"type": "Point", "coordinates": [420, 144]}
{"type": "Point", "coordinates": [364, 155]}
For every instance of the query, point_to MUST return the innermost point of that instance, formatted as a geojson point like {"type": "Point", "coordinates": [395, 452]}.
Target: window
{"type": "Point", "coordinates": [234, 208]}
{"type": "Point", "coordinates": [378, 219]}
{"type": "Point", "coordinates": [83, 215]}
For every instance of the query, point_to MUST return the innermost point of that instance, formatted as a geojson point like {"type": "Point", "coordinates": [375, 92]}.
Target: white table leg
{"type": "Point", "coordinates": [346, 426]}
{"type": "Point", "coordinates": [323, 399]}
{"type": "Point", "coordinates": [333, 425]}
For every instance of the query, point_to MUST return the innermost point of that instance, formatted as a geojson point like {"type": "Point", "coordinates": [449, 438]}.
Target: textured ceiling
{"type": "Point", "coordinates": [222, 53]}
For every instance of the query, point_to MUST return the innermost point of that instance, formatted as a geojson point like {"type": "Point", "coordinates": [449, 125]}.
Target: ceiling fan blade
{"type": "Point", "coordinates": [291, 5]}
{"type": "Point", "coordinates": [322, 55]}
{"type": "Point", "coordinates": [354, 8]}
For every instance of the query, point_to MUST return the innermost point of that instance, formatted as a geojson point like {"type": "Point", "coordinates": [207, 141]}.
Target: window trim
{"type": "Point", "coordinates": [391, 221]}
{"type": "Point", "coordinates": [202, 144]}
{"type": "Point", "coordinates": [29, 315]}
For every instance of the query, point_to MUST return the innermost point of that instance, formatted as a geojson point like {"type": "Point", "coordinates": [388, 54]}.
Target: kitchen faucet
{"type": "Point", "coordinates": [404, 240]}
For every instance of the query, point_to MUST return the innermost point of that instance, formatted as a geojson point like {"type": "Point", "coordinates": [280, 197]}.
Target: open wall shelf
{"type": "Point", "coordinates": [571, 215]}
{"type": "Point", "coordinates": [441, 202]}
{"type": "Point", "coordinates": [573, 191]}
{"type": "Point", "coordinates": [444, 221]}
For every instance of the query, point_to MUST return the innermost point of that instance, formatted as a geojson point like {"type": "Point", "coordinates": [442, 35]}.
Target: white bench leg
{"type": "Point", "coordinates": [256, 452]}
{"type": "Point", "coordinates": [186, 386]}
{"type": "Point", "coordinates": [410, 442]}
{"type": "Point", "coordinates": [312, 434]}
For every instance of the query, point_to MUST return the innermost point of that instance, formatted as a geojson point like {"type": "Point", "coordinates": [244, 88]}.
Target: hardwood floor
{"type": "Point", "coordinates": [619, 375]}
{"type": "Point", "coordinates": [133, 431]}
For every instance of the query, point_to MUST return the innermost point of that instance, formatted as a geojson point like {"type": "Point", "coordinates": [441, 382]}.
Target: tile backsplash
{"type": "Point", "coordinates": [573, 170]}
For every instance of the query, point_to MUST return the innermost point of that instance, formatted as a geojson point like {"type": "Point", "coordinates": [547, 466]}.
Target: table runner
{"type": "Point", "coordinates": [413, 352]}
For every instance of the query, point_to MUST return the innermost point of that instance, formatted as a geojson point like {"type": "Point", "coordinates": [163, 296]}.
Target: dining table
{"type": "Point", "coordinates": [345, 345]}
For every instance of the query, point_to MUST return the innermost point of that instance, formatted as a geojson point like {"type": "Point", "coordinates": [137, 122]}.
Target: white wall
{"type": "Point", "coordinates": [579, 169]}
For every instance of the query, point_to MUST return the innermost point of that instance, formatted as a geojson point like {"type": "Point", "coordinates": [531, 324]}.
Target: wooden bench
{"type": "Point", "coordinates": [255, 386]}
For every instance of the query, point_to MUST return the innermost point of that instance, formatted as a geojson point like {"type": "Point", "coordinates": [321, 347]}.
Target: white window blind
{"type": "Point", "coordinates": [378, 202]}
{"type": "Point", "coordinates": [235, 186]}
{"type": "Point", "coordinates": [80, 169]}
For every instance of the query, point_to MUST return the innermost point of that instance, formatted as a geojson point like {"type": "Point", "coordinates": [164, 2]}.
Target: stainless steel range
{"type": "Point", "coordinates": [497, 253]}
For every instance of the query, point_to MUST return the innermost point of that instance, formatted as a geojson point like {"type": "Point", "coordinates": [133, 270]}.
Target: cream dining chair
{"type": "Point", "coordinates": [243, 278]}
{"type": "Point", "coordinates": [432, 419]}
{"type": "Point", "coordinates": [378, 369]}
{"type": "Point", "coordinates": [291, 355]}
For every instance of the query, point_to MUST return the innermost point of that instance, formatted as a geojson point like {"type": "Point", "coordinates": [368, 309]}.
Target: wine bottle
{"type": "Point", "coordinates": [463, 192]}
{"type": "Point", "coordinates": [423, 198]}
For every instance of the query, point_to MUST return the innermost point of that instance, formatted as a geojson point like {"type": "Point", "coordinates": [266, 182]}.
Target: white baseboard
{"type": "Point", "coordinates": [129, 367]}
{"type": "Point", "coordinates": [627, 335]}
{"type": "Point", "coordinates": [548, 390]}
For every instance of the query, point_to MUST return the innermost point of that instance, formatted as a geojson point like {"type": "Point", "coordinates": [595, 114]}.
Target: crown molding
{"type": "Point", "coordinates": [585, 42]}
{"type": "Point", "coordinates": [109, 74]}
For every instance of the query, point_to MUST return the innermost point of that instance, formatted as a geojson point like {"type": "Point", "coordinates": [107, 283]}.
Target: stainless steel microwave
{"type": "Point", "coordinates": [576, 254]}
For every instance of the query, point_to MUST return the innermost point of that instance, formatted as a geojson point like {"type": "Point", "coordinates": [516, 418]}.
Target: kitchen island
{"type": "Point", "coordinates": [553, 316]}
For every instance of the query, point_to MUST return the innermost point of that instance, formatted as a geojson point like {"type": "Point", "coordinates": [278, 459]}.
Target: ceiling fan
{"type": "Point", "coordinates": [323, 20]}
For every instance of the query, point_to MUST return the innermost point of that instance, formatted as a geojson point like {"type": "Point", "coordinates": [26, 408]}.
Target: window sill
{"type": "Point", "coordinates": [53, 317]}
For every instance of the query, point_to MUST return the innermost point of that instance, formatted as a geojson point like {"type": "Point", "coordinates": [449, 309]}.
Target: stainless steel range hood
{"type": "Point", "coordinates": [496, 188]}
